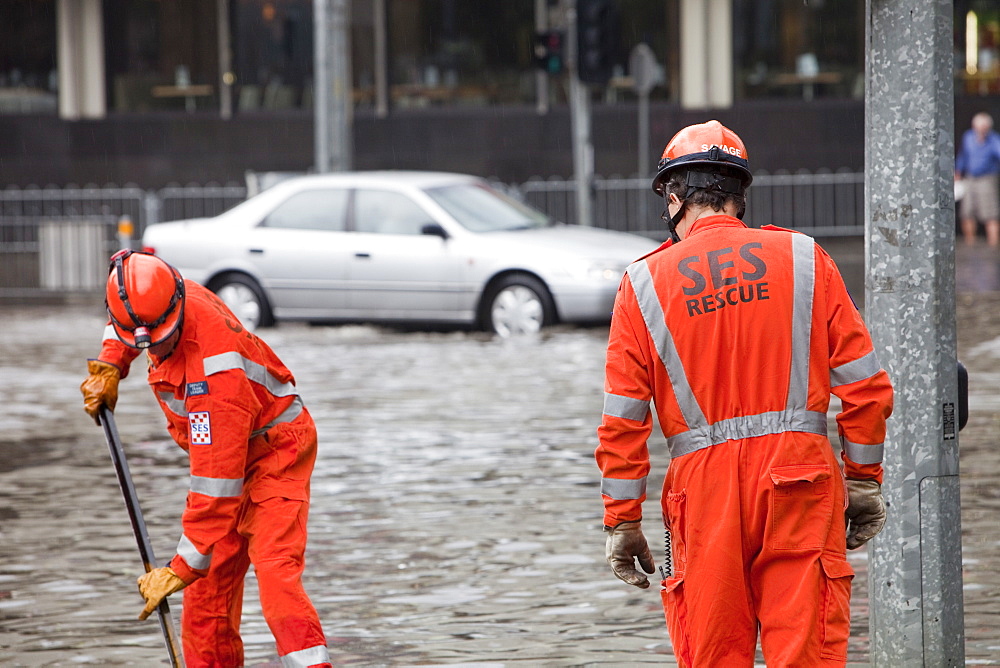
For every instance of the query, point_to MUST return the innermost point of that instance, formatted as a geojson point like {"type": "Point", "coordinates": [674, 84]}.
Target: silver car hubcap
{"type": "Point", "coordinates": [517, 310]}
{"type": "Point", "coordinates": [242, 301]}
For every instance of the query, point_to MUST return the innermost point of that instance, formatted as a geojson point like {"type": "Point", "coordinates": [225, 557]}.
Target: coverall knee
{"type": "Point", "coordinates": [213, 605]}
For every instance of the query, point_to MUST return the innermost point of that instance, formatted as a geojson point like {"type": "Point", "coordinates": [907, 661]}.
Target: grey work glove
{"type": "Point", "coordinates": [865, 511]}
{"type": "Point", "coordinates": [626, 544]}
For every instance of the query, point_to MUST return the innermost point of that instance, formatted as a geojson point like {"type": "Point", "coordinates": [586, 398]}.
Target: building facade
{"type": "Point", "coordinates": [152, 92]}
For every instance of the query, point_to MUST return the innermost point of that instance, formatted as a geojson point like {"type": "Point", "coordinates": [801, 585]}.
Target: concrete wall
{"type": "Point", "coordinates": [511, 143]}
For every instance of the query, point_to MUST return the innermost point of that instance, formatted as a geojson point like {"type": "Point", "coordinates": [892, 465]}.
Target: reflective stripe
{"type": "Point", "coordinates": [257, 373]}
{"type": "Point", "coordinates": [304, 658]}
{"type": "Point", "coordinates": [746, 426]}
{"type": "Point", "coordinates": [621, 489]}
{"type": "Point", "coordinates": [860, 369]}
{"type": "Point", "coordinates": [217, 487]}
{"type": "Point", "coordinates": [627, 408]}
{"type": "Point", "coordinates": [803, 267]}
{"type": "Point", "coordinates": [795, 417]}
{"type": "Point", "coordinates": [652, 314]}
{"type": "Point", "coordinates": [287, 415]}
{"type": "Point", "coordinates": [194, 558]}
{"type": "Point", "coordinates": [859, 453]}
{"type": "Point", "coordinates": [176, 406]}
{"type": "Point", "coordinates": [110, 334]}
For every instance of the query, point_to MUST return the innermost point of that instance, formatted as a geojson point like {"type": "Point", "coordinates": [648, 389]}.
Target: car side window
{"type": "Point", "coordinates": [388, 212]}
{"type": "Point", "coordinates": [311, 210]}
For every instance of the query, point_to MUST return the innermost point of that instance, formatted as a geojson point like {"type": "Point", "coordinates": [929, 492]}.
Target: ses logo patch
{"type": "Point", "coordinates": [201, 428]}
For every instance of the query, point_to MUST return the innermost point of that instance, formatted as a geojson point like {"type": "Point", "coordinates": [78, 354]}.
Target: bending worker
{"type": "Point", "coordinates": [738, 336]}
{"type": "Point", "coordinates": [232, 405]}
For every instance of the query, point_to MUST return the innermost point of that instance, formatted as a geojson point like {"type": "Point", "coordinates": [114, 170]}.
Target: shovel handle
{"type": "Point", "coordinates": [107, 419]}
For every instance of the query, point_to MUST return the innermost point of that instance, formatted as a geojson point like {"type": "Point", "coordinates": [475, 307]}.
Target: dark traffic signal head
{"type": "Point", "coordinates": [597, 38]}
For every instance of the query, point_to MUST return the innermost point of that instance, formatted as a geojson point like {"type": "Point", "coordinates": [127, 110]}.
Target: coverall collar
{"type": "Point", "coordinates": [171, 370]}
{"type": "Point", "coordinates": [713, 222]}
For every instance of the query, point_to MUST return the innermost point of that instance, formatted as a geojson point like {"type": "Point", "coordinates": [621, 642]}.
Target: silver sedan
{"type": "Point", "coordinates": [416, 247]}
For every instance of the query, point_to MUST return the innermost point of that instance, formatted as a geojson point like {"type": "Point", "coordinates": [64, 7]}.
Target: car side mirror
{"type": "Point", "coordinates": [434, 230]}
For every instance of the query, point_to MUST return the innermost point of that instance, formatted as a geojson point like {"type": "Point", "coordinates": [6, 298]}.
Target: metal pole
{"type": "Point", "coordinates": [643, 155]}
{"type": "Point", "coordinates": [381, 59]}
{"type": "Point", "coordinates": [583, 150]}
{"type": "Point", "coordinates": [226, 77]}
{"type": "Point", "coordinates": [541, 78]}
{"type": "Point", "coordinates": [321, 85]}
{"type": "Point", "coordinates": [333, 86]}
{"type": "Point", "coordinates": [916, 563]}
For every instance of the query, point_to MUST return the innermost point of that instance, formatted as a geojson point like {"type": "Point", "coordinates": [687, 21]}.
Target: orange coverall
{"type": "Point", "coordinates": [233, 406]}
{"type": "Point", "coordinates": [738, 336]}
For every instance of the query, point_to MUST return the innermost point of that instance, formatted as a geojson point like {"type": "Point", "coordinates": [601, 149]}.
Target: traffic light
{"type": "Point", "coordinates": [597, 36]}
{"type": "Point", "coordinates": [549, 51]}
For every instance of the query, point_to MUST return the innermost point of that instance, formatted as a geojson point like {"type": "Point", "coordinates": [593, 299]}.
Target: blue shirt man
{"type": "Point", "coordinates": [978, 167]}
{"type": "Point", "coordinates": [979, 154]}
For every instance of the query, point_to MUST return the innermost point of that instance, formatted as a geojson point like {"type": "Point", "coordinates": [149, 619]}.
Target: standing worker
{"type": "Point", "coordinates": [738, 336]}
{"type": "Point", "coordinates": [232, 405]}
{"type": "Point", "coordinates": [978, 168]}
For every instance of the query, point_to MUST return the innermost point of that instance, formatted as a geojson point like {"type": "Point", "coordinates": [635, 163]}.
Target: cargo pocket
{"type": "Point", "coordinates": [674, 565]}
{"type": "Point", "coordinates": [836, 606]}
{"type": "Point", "coordinates": [674, 560]}
{"type": "Point", "coordinates": [801, 506]}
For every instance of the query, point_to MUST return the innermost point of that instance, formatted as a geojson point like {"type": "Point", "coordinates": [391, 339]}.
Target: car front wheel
{"type": "Point", "coordinates": [518, 304]}
{"type": "Point", "coordinates": [245, 299]}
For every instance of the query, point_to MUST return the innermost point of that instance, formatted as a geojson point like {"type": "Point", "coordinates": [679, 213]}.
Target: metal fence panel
{"type": "Point", "coordinates": [73, 255]}
{"type": "Point", "coordinates": [197, 201]}
{"type": "Point", "coordinates": [821, 204]}
{"type": "Point", "coordinates": [52, 238]}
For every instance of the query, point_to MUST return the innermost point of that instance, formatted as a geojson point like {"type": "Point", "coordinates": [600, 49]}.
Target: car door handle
{"type": "Point", "coordinates": [365, 255]}
{"type": "Point", "coordinates": [258, 251]}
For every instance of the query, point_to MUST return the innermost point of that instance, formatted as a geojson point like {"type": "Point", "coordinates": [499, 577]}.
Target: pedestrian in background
{"type": "Point", "coordinates": [232, 405]}
{"type": "Point", "coordinates": [738, 336]}
{"type": "Point", "coordinates": [978, 168]}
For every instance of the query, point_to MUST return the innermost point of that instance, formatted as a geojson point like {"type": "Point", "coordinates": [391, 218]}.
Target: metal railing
{"type": "Point", "coordinates": [821, 204]}
{"type": "Point", "coordinates": [50, 237]}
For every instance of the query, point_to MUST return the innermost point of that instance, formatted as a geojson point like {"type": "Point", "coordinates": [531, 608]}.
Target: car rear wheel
{"type": "Point", "coordinates": [518, 304]}
{"type": "Point", "coordinates": [245, 299]}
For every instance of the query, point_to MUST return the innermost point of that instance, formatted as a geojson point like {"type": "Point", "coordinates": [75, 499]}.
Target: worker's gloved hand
{"type": "Point", "coordinates": [865, 511]}
{"type": "Point", "coordinates": [100, 387]}
{"type": "Point", "coordinates": [626, 544]}
{"type": "Point", "coordinates": [156, 585]}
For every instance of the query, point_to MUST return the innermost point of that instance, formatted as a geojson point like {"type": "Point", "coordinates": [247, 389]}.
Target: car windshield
{"type": "Point", "coordinates": [479, 208]}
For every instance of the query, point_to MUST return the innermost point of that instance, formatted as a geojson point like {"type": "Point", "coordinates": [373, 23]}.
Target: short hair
{"type": "Point", "coordinates": [983, 118]}
{"type": "Point", "coordinates": [676, 184]}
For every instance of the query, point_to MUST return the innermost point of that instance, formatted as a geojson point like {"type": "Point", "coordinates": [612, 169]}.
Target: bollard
{"type": "Point", "coordinates": [125, 232]}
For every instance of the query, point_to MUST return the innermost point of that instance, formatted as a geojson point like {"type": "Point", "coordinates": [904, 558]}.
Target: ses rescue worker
{"type": "Point", "coordinates": [232, 405]}
{"type": "Point", "coordinates": [738, 336]}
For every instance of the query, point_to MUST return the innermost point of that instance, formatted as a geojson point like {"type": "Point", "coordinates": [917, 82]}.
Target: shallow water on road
{"type": "Point", "coordinates": [456, 514]}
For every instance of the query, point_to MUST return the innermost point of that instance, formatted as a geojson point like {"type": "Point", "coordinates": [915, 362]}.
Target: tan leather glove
{"type": "Point", "coordinates": [626, 544]}
{"type": "Point", "coordinates": [156, 585]}
{"type": "Point", "coordinates": [100, 387]}
{"type": "Point", "coordinates": [865, 511]}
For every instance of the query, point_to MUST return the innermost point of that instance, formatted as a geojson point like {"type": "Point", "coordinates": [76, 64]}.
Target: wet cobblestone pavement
{"type": "Point", "coordinates": [455, 513]}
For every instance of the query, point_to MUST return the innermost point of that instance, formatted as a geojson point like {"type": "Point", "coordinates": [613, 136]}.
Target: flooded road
{"type": "Point", "coordinates": [456, 515]}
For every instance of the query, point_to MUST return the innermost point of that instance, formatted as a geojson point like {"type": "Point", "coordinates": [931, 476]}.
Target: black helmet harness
{"type": "Point", "coordinates": [141, 330]}
{"type": "Point", "coordinates": [715, 157]}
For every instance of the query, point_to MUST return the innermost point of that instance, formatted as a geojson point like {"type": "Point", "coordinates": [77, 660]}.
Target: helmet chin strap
{"type": "Point", "coordinates": [675, 219]}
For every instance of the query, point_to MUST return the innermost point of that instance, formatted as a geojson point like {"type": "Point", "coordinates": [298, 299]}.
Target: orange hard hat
{"type": "Point", "coordinates": [711, 144]}
{"type": "Point", "coordinates": [145, 298]}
